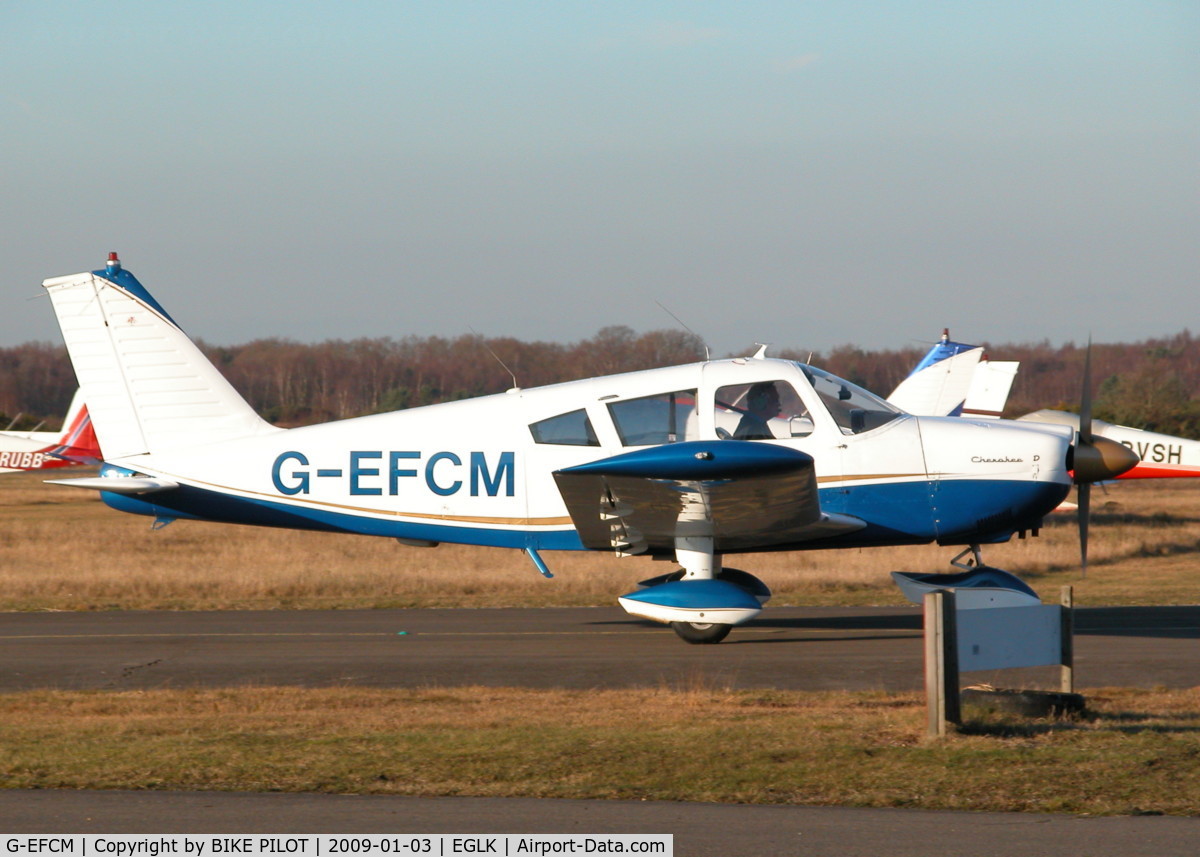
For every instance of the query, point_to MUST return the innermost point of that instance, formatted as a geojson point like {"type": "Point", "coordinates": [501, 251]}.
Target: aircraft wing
{"type": "Point", "coordinates": [743, 495]}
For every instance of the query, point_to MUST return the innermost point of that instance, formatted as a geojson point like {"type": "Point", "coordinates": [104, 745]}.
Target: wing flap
{"type": "Point", "coordinates": [743, 495]}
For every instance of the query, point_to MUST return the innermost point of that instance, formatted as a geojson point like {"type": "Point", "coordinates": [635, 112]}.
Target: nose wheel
{"type": "Point", "coordinates": [701, 633]}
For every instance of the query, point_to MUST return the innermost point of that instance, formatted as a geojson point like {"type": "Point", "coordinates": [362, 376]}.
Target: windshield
{"type": "Point", "coordinates": [854, 409]}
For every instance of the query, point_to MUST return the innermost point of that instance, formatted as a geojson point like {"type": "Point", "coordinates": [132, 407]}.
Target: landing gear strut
{"type": "Point", "coordinates": [975, 562]}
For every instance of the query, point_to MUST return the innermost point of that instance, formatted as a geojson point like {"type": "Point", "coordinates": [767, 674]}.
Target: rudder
{"type": "Point", "coordinates": [147, 386]}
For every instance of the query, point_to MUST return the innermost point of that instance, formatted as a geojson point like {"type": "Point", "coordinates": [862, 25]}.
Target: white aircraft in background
{"type": "Point", "coordinates": [957, 379]}
{"type": "Point", "coordinates": [43, 450]}
{"type": "Point", "coordinates": [682, 464]}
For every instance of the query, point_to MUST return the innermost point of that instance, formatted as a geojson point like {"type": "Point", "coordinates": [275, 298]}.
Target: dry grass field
{"type": "Point", "coordinates": [1133, 751]}
{"type": "Point", "coordinates": [62, 549]}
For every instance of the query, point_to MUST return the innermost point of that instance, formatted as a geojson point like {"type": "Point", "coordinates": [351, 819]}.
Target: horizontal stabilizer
{"type": "Point", "coordinates": [118, 484]}
{"type": "Point", "coordinates": [77, 456]}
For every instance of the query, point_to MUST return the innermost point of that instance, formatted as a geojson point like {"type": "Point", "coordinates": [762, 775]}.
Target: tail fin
{"type": "Point", "coordinates": [77, 440]}
{"type": "Point", "coordinates": [989, 388]}
{"type": "Point", "coordinates": [75, 443]}
{"type": "Point", "coordinates": [938, 385]}
{"type": "Point", "coordinates": [147, 387]}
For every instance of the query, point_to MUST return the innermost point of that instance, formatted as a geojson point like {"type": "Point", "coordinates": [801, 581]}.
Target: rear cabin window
{"type": "Point", "coordinates": [653, 420]}
{"type": "Point", "coordinates": [570, 429]}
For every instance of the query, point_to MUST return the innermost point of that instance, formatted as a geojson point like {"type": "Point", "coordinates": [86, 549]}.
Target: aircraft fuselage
{"type": "Point", "coordinates": [481, 471]}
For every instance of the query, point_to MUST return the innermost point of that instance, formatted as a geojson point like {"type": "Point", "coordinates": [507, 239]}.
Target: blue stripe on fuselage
{"type": "Point", "coordinates": [205, 505]}
{"type": "Point", "coordinates": [900, 513]}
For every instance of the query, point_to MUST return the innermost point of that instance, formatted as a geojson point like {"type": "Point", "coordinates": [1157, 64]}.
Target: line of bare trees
{"type": "Point", "coordinates": [1151, 384]}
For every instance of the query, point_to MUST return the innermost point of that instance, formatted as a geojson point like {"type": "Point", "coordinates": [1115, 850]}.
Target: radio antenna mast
{"type": "Point", "coordinates": [495, 356]}
{"type": "Point", "coordinates": [707, 355]}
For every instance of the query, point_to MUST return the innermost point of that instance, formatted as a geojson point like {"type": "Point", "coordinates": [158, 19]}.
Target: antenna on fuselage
{"type": "Point", "coordinates": [679, 321]}
{"type": "Point", "coordinates": [496, 356]}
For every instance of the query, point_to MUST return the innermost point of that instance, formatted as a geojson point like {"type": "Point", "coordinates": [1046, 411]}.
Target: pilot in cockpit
{"type": "Point", "coordinates": [762, 404]}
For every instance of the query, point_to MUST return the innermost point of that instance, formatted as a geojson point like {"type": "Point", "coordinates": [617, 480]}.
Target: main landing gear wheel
{"type": "Point", "coordinates": [701, 633]}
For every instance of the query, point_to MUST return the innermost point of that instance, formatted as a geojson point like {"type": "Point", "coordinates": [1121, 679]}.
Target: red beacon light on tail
{"type": "Point", "coordinates": [113, 263]}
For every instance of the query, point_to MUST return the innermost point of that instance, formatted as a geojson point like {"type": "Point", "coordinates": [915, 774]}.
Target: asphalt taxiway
{"type": "Point", "coordinates": [697, 828]}
{"type": "Point", "coordinates": [799, 648]}
{"type": "Point", "coordinates": [790, 648]}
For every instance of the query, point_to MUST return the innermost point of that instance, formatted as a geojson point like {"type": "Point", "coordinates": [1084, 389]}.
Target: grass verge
{"type": "Point", "coordinates": [1134, 751]}
{"type": "Point", "coordinates": [62, 549]}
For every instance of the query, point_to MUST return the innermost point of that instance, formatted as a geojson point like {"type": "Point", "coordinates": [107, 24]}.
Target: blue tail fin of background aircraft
{"type": "Point", "coordinates": [939, 384]}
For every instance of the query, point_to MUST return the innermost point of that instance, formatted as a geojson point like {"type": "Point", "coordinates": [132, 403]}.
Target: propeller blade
{"type": "Point", "coordinates": [1085, 501]}
{"type": "Point", "coordinates": [1095, 459]}
{"type": "Point", "coordinates": [1085, 404]}
{"type": "Point", "coordinates": [1090, 463]}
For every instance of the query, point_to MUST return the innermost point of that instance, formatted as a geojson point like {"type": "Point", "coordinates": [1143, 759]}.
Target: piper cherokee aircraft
{"type": "Point", "coordinates": [684, 464]}
{"type": "Point", "coordinates": [42, 450]}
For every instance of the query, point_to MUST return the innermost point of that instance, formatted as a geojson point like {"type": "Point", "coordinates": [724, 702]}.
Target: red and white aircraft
{"type": "Point", "coordinates": [42, 450]}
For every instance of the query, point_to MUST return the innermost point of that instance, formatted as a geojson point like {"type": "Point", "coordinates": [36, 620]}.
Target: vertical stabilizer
{"type": "Point", "coordinates": [77, 440]}
{"type": "Point", "coordinates": [147, 387]}
{"type": "Point", "coordinates": [990, 386]}
{"type": "Point", "coordinates": [938, 385]}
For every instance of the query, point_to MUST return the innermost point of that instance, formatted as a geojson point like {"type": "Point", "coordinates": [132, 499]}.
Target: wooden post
{"type": "Point", "coordinates": [1067, 600]}
{"type": "Point", "coordinates": [941, 662]}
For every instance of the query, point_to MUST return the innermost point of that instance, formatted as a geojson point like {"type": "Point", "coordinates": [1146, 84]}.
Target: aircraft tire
{"type": "Point", "coordinates": [701, 633]}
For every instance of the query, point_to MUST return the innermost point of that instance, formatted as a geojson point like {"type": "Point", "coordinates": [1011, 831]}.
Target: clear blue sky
{"type": "Point", "coordinates": [802, 173]}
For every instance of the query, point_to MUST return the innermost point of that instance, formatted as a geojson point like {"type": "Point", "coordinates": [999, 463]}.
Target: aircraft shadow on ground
{"type": "Point", "coordinates": [1158, 622]}
{"type": "Point", "coordinates": [1124, 722]}
{"type": "Point", "coordinates": [854, 623]}
{"type": "Point", "coordinates": [1181, 623]}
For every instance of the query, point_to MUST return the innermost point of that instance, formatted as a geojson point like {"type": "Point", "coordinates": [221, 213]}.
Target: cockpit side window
{"type": "Point", "coordinates": [570, 429]}
{"type": "Point", "coordinates": [854, 409]}
{"type": "Point", "coordinates": [652, 420]}
{"type": "Point", "coordinates": [764, 410]}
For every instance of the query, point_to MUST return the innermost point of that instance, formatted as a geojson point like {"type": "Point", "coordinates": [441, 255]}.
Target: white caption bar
{"type": "Point", "coordinates": [325, 845]}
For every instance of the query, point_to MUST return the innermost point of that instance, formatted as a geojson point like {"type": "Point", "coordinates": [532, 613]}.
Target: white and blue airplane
{"type": "Point", "coordinates": [683, 464]}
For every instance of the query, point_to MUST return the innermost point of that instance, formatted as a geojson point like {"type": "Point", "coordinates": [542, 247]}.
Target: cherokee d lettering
{"type": "Point", "coordinates": [373, 472]}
